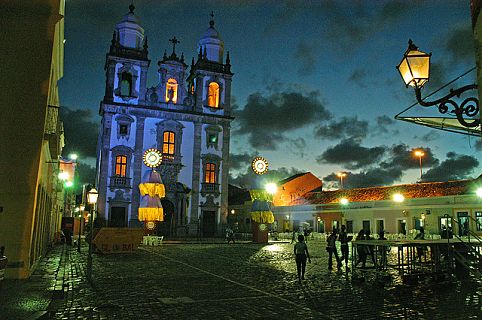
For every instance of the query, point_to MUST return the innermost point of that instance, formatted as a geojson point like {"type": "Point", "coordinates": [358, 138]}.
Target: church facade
{"type": "Point", "coordinates": [186, 116]}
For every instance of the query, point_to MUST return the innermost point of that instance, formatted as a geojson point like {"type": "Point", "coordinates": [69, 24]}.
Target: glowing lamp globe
{"type": "Point", "coordinates": [69, 184]}
{"type": "Point", "coordinates": [92, 196]}
{"type": "Point", "coordinates": [415, 66]}
{"type": "Point", "coordinates": [63, 175]}
{"type": "Point", "coordinates": [344, 201]}
{"type": "Point", "coordinates": [271, 188]}
{"type": "Point", "coordinates": [478, 192]}
{"type": "Point", "coordinates": [397, 197]}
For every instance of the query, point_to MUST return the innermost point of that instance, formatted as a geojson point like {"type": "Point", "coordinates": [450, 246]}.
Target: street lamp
{"type": "Point", "coordinates": [79, 210]}
{"type": "Point", "coordinates": [92, 200]}
{"type": "Point", "coordinates": [344, 201]}
{"type": "Point", "coordinates": [478, 192]}
{"type": "Point", "coordinates": [415, 71]}
{"type": "Point", "coordinates": [419, 154]}
{"type": "Point", "coordinates": [398, 197]}
{"type": "Point", "coordinates": [271, 188]}
{"type": "Point", "coordinates": [341, 175]}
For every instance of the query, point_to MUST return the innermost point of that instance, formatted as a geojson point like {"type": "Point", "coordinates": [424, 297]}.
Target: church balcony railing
{"type": "Point", "coordinates": [120, 182]}
{"type": "Point", "coordinates": [52, 120]}
{"type": "Point", "coordinates": [209, 188]}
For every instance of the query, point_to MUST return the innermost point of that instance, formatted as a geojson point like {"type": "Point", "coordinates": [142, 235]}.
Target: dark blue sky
{"type": "Point", "coordinates": [315, 81]}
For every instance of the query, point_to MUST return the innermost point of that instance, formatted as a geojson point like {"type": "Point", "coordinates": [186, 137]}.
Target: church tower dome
{"type": "Point", "coordinates": [211, 43]}
{"type": "Point", "coordinates": [129, 32]}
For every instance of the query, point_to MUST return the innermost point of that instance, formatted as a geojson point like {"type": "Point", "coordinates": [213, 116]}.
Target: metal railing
{"type": "Point", "coordinates": [120, 182]}
{"type": "Point", "coordinates": [467, 251]}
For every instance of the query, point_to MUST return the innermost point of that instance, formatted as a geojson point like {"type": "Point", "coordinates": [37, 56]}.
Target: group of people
{"type": "Point", "coordinates": [302, 255]}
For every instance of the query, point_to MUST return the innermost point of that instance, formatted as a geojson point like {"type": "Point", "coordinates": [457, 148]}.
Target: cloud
{"type": "Point", "coordinates": [460, 44]}
{"type": "Point", "coordinates": [240, 160]}
{"type": "Point", "coordinates": [383, 126]}
{"type": "Point", "coordinates": [455, 167]}
{"type": "Point", "coordinates": [358, 76]}
{"type": "Point", "coordinates": [81, 132]}
{"type": "Point", "coordinates": [250, 180]}
{"type": "Point", "coordinates": [86, 175]}
{"type": "Point", "coordinates": [346, 127]}
{"type": "Point", "coordinates": [265, 119]}
{"type": "Point", "coordinates": [351, 154]}
{"type": "Point", "coordinates": [369, 178]}
{"type": "Point", "coordinates": [478, 145]}
{"type": "Point", "coordinates": [428, 137]}
{"type": "Point", "coordinates": [402, 157]}
{"type": "Point", "coordinates": [305, 54]}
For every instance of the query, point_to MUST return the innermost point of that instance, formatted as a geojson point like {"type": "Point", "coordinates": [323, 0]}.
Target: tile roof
{"type": "Point", "coordinates": [418, 190]}
{"type": "Point", "coordinates": [281, 182]}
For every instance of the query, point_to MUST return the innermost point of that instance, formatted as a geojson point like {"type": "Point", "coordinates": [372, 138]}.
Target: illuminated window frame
{"type": "Point", "coordinates": [210, 173]}
{"type": "Point", "coordinates": [126, 80]}
{"type": "Point", "coordinates": [121, 165]}
{"type": "Point", "coordinates": [213, 95]}
{"type": "Point", "coordinates": [168, 143]}
{"type": "Point", "coordinates": [171, 84]}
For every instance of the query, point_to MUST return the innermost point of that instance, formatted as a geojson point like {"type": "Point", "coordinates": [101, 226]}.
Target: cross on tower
{"type": "Point", "coordinates": [212, 15]}
{"type": "Point", "coordinates": [174, 42]}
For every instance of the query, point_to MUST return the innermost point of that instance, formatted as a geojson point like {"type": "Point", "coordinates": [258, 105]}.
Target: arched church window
{"type": "Point", "coordinates": [210, 173]}
{"type": "Point", "coordinates": [126, 84]}
{"type": "Point", "coordinates": [168, 143]}
{"type": "Point", "coordinates": [213, 95]}
{"type": "Point", "coordinates": [171, 90]}
{"type": "Point", "coordinates": [120, 165]}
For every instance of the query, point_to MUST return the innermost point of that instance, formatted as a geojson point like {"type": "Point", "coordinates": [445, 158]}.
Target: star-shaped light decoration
{"type": "Point", "coordinates": [259, 165]}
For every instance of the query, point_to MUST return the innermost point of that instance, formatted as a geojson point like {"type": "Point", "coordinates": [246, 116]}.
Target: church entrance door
{"type": "Point", "coordinates": [209, 224]}
{"type": "Point", "coordinates": [117, 217]}
{"type": "Point", "coordinates": [165, 228]}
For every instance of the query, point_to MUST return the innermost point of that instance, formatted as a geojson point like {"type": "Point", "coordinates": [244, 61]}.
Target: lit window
{"type": "Point", "coordinates": [478, 220]}
{"type": "Point", "coordinates": [120, 166]}
{"type": "Point", "coordinates": [210, 173]}
{"type": "Point", "coordinates": [171, 90]}
{"type": "Point", "coordinates": [213, 95]}
{"type": "Point", "coordinates": [126, 84]}
{"type": "Point", "coordinates": [168, 143]}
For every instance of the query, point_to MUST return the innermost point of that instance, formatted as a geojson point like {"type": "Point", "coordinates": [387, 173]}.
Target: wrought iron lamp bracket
{"type": "Point", "coordinates": [468, 107]}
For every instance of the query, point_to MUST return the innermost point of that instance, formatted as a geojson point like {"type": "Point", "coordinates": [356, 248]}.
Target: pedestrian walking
{"type": "Point", "coordinates": [344, 239]}
{"type": "Point", "coordinates": [360, 249]}
{"type": "Point", "coordinates": [383, 251]}
{"type": "Point", "coordinates": [420, 249]}
{"type": "Point", "coordinates": [370, 251]}
{"type": "Point", "coordinates": [230, 235]}
{"type": "Point", "coordinates": [331, 248]}
{"type": "Point", "coordinates": [301, 254]}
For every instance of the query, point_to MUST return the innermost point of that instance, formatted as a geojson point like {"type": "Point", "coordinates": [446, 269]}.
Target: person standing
{"type": "Point", "coordinates": [230, 235]}
{"type": "Point", "coordinates": [331, 248]}
{"type": "Point", "coordinates": [343, 238]}
{"type": "Point", "coordinates": [301, 254]}
{"type": "Point", "coordinates": [360, 249]}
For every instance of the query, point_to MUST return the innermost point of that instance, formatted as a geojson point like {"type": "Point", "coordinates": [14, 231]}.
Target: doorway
{"type": "Point", "coordinates": [366, 225]}
{"type": "Point", "coordinates": [118, 217]}
{"type": "Point", "coordinates": [165, 228]}
{"type": "Point", "coordinates": [402, 226]}
{"type": "Point", "coordinates": [321, 226]}
{"type": "Point", "coordinates": [209, 223]}
{"type": "Point", "coordinates": [463, 223]}
{"type": "Point", "coordinates": [380, 226]}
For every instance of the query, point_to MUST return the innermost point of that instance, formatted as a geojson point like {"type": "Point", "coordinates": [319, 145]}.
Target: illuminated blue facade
{"type": "Point", "coordinates": [186, 115]}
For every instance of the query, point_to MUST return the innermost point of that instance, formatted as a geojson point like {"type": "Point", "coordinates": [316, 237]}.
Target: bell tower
{"type": "Point", "coordinates": [209, 81]}
{"type": "Point", "coordinates": [127, 62]}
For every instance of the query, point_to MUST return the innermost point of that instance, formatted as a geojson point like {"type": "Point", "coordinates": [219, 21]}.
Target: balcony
{"type": "Point", "coordinates": [120, 182]}
{"type": "Point", "coordinates": [209, 188]}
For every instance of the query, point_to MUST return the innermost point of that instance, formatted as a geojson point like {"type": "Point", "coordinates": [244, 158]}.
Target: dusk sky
{"type": "Point", "coordinates": [315, 84]}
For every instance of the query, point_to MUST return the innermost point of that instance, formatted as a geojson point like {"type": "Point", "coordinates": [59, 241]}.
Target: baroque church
{"type": "Point", "coordinates": [186, 116]}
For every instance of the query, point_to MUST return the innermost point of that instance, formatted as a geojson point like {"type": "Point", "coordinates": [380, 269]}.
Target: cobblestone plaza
{"type": "Point", "coordinates": [220, 281]}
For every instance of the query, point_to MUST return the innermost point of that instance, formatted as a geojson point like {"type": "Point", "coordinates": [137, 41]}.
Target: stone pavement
{"type": "Point", "coordinates": [243, 281]}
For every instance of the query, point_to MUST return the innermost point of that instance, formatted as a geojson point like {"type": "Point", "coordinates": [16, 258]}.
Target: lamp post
{"type": "Point", "coordinates": [81, 210]}
{"type": "Point", "coordinates": [419, 154]}
{"type": "Point", "coordinates": [415, 71]}
{"type": "Point", "coordinates": [92, 200]}
{"type": "Point", "coordinates": [341, 175]}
